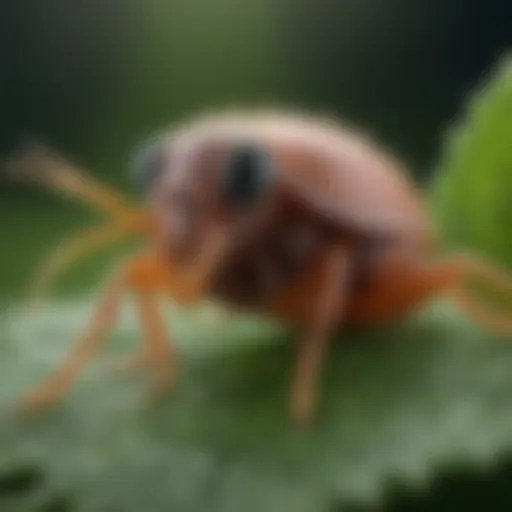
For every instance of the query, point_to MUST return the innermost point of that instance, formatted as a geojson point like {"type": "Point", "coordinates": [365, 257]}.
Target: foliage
{"type": "Point", "coordinates": [471, 194]}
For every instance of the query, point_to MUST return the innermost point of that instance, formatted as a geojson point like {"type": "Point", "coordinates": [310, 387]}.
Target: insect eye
{"type": "Point", "coordinates": [247, 175]}
{"type": "Point", "coordinates": [148, 163]}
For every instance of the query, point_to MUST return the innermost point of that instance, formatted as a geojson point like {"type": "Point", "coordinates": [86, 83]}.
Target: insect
{"type": "Point", "coordinates": [292, 216]}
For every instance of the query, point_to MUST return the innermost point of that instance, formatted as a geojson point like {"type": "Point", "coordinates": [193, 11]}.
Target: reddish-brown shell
{"type": "Point", "coordinates": [333, 170]}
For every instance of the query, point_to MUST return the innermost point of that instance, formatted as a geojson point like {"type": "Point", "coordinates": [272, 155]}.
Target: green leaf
{"type": "Point", "coordinates": [395, 404]}
{"type": "Point", "coordinates": [473, 188]}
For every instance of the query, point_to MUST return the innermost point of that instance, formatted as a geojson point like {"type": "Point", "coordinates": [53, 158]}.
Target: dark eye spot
{"type": "Point", "coordinates": [150, 160]}
{"type": "Point", "coordinates": [247, 175]}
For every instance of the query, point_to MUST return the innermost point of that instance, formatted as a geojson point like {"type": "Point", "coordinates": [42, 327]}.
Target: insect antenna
{"type": "Point", "coordinates": [36, 163]}
{"type": "Point", "coordinates": [65, 254]}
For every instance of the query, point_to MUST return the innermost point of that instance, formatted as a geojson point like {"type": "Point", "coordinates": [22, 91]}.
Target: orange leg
{"type": "Point", "coordinates": [155, 352]}
{"type": "Point", "coordinates": [329, 300]}
{"type": "Point", "coordinates": [399, 285]}
{"type": "Point", "coordinates": [68, 252]}
{"type": "Point", "coordinates": [158, 352]}
{"type": "Point", "coordinates": [397, 290]}
{"type": "Point", "coordinates": [402, 285]}
{"type": "Point", "coordinates": [494, 279]}
{"type": "Point", "coordinates": [58, 383]}
{"type": "Point", "coordinates": [456, 269]}
{"type": "Point", "coordinates": [148, 275]}
{"type": "Point", "coordinates": [144, 276]}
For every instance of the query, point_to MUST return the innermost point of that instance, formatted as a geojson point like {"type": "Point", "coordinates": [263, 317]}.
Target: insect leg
{"type": "Point", "coordinates": [329, 300]}
{"type": "Point", "coordinates": [155, 350]}
{"type": "Point", "coordinates": [158, 352]}
{"type": "Point", "coordinates": [148, 275]}
{"type": "Point", "coordinates": [408, 284]}
{"type": "Point", "coordinates": [67, 253]}
{"type": "Point", "coordinates": [62, 378]}
{"type": "Point", "coordinates": [493, 279]}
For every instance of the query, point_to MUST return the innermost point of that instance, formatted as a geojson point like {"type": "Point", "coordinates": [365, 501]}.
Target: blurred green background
{"type": "Point", "coordinates": [92, 77]}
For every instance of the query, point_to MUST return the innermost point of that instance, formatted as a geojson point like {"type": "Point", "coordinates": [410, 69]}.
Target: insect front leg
{"type": "Point", "coordinates": [149, 275]}
{"type": "Point", "coordinates": [61, 379]}
{"type": "Point", "coordinates": [143, 278]}
{"type": "Point", "coordinates": [328, 300]}
{"type": "Point", "coordinates": [156, 351]}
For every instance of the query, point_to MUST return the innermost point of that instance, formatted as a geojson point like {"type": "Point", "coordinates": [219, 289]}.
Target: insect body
{"type": "Point", "coordinates": [285, 215]}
